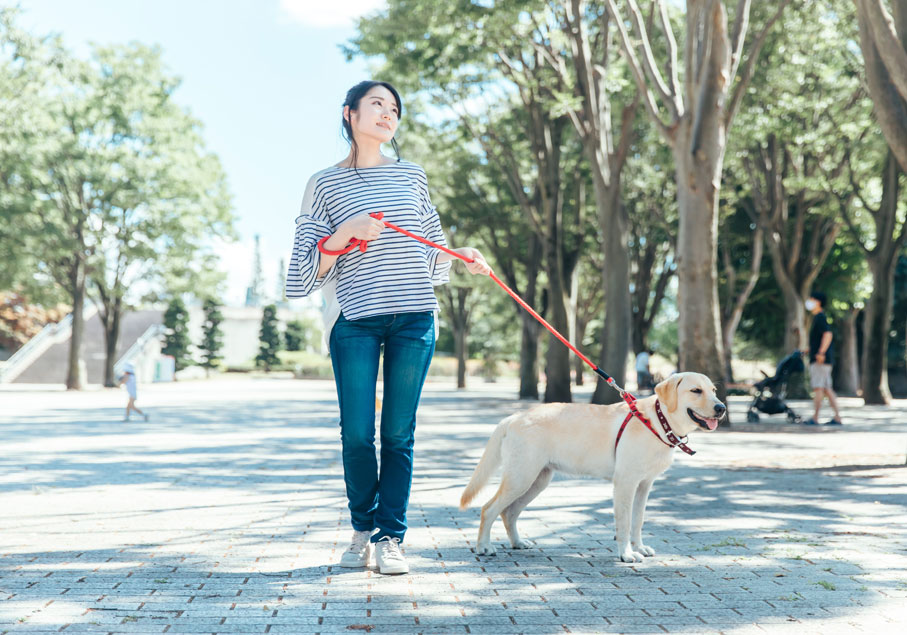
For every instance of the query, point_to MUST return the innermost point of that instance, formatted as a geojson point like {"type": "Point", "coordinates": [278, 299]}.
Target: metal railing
{"type": "Point", "coordinates": [33, 348]}
{"type": "Point", "coordinates": [138, 347]}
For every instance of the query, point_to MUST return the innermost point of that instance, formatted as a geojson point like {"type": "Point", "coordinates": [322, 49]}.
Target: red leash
{"type": "Point", "coordinates": [626, 396]}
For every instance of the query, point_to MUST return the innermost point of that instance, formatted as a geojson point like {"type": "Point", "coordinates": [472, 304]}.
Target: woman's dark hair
{"type": "Point", "coordinates": [353, 96]}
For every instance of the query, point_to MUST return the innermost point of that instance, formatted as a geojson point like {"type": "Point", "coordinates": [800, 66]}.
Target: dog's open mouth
{"type": "Point", "coordinates": [707, 423]}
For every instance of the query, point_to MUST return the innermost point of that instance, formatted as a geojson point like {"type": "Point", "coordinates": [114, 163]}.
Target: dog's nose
{"type": "Point", "coordinates": [720, 409]}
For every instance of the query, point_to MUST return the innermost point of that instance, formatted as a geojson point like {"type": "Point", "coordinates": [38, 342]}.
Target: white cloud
{"type": "Point", "coordinates": [328, 13]}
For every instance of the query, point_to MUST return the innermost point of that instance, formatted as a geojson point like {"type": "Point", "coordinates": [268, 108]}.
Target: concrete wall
{"type": "Point", "coordinates": [241, 326]}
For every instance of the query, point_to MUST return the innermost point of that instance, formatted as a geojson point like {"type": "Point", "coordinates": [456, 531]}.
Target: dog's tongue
{"type": "Point", "coordinates": [711, 423]}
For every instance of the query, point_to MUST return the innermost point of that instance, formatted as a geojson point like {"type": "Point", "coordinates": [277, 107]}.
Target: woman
{"type": "Point", "coordinates": [386, 299]}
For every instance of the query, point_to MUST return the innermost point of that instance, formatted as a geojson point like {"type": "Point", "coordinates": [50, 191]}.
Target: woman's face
{"type": "Point", "coordinates": [377, 116]}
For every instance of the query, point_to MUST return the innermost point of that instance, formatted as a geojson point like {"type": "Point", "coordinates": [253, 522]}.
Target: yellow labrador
{"type": "Point", "coordinates": [580, 439]}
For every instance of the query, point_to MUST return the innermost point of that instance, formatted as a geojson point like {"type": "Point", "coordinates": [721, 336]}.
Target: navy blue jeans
{"type": "Point", "coordinates": [379, 498]}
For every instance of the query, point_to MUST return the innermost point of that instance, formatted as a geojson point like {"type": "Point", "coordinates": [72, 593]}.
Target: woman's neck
{"type": "Point", "coordinates": [369, 156]}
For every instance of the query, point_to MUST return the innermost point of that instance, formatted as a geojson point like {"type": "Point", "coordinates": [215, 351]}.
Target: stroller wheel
{"type": "Point", "coordinates": [752, 417]}
{"type": "Point", "coordinates": [793, 417]}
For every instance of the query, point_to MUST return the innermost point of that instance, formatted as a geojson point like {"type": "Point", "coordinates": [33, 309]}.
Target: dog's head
{"type": "Point", "coordinates": [689, 401]}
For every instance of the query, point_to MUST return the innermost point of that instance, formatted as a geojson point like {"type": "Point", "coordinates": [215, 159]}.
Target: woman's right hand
{"type": "Point", "coordinates": [362, 227]}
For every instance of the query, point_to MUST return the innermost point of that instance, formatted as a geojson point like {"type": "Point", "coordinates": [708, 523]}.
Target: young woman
{"type": "Point", "coordinates": [385, 299]}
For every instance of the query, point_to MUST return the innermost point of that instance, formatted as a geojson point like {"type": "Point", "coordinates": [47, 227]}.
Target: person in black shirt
{"type": "Point", "coordinates": [821, 358]}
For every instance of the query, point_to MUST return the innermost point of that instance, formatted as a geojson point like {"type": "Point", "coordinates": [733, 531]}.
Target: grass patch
{"type": "Point", "coordinates": [828, 586]}
{"type": "Point", "coordinates": [789, 598]}
{"type": "Point", "coordinates": [727, 542]}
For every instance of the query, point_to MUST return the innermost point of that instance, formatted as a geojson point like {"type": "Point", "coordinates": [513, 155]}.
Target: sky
{"type": "Point", "coordinates": [265, 77]}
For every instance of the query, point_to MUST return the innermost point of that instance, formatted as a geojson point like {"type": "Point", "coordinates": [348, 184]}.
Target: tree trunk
{"type": "Point", "coordinates": [699, 328]}
{"type": "Point", "coordinates": [529, 357]}
{"type": "Point", "coordinates": [557, 358]}
{"type": "Point", "coordinates": [74, 379]}
{"type": "Point", "coordinates": [737, 302]}
{"type": "Point", "coordinates": [885, 69]}
{"type": "Point", "coordinates": [618, 327]}
{"type": "Point", "coordinates": [848, 361]}
{"type": "Point", "coordinates": [460, 338]}
{"type": "Point", "coordinates": [111, 338]}
{"type": "Point", "coordinates": [579, 366]}
{"type": "Point", "coordinates": [874, 365]}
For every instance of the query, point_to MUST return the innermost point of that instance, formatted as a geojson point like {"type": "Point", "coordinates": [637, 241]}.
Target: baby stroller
{"type": "Point", "coordinates": [771, 391]}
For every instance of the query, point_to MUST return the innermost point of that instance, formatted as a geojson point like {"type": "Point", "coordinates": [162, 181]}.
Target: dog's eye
{"type": "Point", "coordinates": [698, 391]}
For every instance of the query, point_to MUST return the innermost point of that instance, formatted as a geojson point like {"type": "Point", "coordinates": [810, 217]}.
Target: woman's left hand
{"type": "Point", "coordinates": [478, 265]}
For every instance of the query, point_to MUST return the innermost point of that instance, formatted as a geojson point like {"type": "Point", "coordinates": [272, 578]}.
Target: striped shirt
{"type": "Point", "coordinates": [396, 274]}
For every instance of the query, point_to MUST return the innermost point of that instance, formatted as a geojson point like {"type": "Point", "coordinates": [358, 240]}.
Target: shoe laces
{"type": "Point", "coordinates": [390, 548]}
{"type": "Point", "coordinates": [359, 541]}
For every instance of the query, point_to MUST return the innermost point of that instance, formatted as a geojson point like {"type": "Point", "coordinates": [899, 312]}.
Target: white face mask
{"type": "Point", "coordinates": [811, 304]}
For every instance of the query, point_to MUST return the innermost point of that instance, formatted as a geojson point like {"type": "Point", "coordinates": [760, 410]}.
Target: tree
{"type": "Point", "coordinates": [650, 199]}
{"type": "Point", "coordinates": [458, 309]}
{"type": "Point", "coordinates": [700, 114]}
{"type": "Point", "coordinates": [212, 336]}
{"type": "Point", "coordinates": [897, 351]}
{"type": "Point", "coordinates": [883, 37]}
{"type": "Point", "coordinates": [295, 336]}
{"type": "Point", "coordinates": [269, 339]}
{"type": "Point", "coordinates": [477, 205]}
{"type": "Point", "coordinates": [883, 40]}
{"type": "Point", "coordinates": [117, 185]}
{"type": "Point", "coordinates": [881, 249]}
{"type": "Point", "coordinates": [176, 335]}
{"type": "Point", "coordinates": [585, 82]}
{"type": "Point", "coordinates": [48, 172]}
{"type": "Point", "coordinates": [167, 194]}
{"type": "Point", "coordinates": [528, 153]}
{"type": "Point", "coordinates": [737, 247]}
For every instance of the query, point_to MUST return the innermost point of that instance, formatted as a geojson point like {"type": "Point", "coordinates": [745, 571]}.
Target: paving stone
{"type": "Point", "coordinates": [225, 513]}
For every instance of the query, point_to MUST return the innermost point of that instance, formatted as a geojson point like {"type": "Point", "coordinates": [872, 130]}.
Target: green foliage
{"type": "Point", "coordinates": [176, 336]}
{"type": "Point", "coordinates": [269, 339]}
{"type": "Point", "coordinates": [103, 169]}
{"type": "Point", "coordinates": [295, 336]}
{"type": "Point", "coordinates": [212, 336]}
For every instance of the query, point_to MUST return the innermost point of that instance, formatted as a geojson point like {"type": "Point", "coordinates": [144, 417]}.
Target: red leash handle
{"type": "Point", "coordinates": [354, 242]}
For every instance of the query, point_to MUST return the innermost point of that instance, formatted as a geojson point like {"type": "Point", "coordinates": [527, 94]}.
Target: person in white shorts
{"type": "Point", "coordinates": [128, 378]}
{"type": "Point", "coordinates": [821, 358]}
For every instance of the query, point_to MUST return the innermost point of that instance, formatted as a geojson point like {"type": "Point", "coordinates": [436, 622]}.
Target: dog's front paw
{"type": "Point", "coordinates": [484, 549]}
{"type": "Point", "coordinates": [644, 550]}
{"type": "Point", "coordinates": [522, 543]}
{"type": "Point", "coordinates": [628, 555]}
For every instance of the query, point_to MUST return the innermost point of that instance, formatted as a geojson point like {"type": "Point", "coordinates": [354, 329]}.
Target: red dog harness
{"type": "Point", "coordinates": [634, 412]}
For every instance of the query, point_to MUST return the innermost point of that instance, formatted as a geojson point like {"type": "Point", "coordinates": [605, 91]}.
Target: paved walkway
{"type": "Point", "coordinates": [224, 513]}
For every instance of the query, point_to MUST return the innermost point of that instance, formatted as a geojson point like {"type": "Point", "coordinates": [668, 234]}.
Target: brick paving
{"type": "Point", "coordinates": [225, 512]}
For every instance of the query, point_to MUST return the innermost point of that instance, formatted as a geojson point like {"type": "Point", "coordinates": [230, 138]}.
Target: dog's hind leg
{"type": "Point", "coordinates": [513, 485]}
{"type": "Point", "coordinates": [512, 511]}
{"type": "Point", "coordinates": [639, 511]}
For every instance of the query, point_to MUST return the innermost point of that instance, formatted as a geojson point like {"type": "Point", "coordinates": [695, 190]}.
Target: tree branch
{"type": "Point", "coordinates": [638, 74]}
{"type": "Point", "coordinates": [672, 48]}
{"type": "Point", "coordinates": [755, 49]}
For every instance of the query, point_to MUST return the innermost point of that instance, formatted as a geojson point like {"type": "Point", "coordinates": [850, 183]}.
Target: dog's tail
{"type": "Point", "coordinates": [490, 460]}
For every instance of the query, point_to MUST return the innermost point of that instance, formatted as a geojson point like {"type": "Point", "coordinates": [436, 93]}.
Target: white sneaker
{"type": "Point", "coordinates": [359, 551]}
{"type": "Point", "coordinates": [388, 557]}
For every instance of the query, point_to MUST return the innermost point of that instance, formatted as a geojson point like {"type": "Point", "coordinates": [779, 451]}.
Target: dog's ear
{"type": "Point", "coordinates": [667, 392]}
